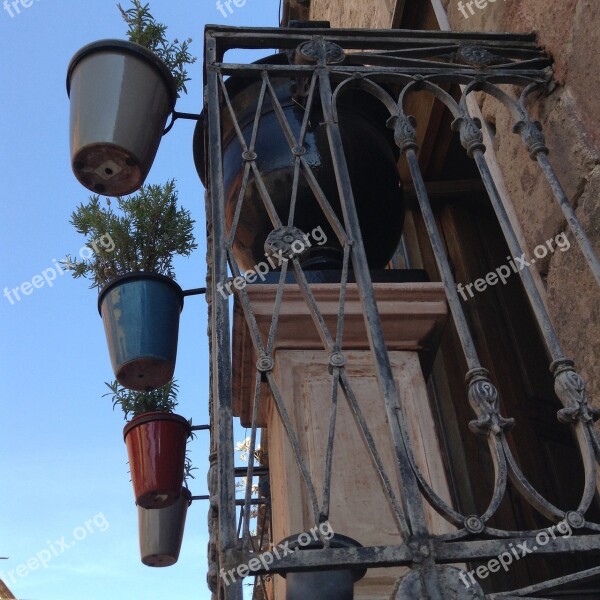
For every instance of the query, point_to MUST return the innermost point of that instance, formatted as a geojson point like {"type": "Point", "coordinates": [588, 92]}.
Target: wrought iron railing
{"type": "Point", "coordinates": [325, 63]}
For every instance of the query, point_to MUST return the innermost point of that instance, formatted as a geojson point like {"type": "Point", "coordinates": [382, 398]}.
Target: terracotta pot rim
{"type": "Point", "coordinates": [137, 275]}
{"type": "Point", "coordinates": [124, 47]}
{"type": "Point", "coordinates": [150, 417]}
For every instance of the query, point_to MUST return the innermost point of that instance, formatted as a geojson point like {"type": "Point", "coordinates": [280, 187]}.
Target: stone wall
{"type": "Point", "coordinates": [373, 14]}
{"type": "Point", "coordinates": [570, 31]}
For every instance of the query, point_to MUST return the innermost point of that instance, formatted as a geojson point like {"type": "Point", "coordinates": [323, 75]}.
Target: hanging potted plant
{"type": "Point", "coordinates": [121, 94]}
{"type": "Point", "coordinates": [156, 443]}
{"type": "Point", "coordinates": [161, 530]}
{"type": "Point", "coordinates": [139, 300]}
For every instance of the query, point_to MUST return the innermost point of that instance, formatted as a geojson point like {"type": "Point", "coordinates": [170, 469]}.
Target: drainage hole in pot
{"type": "Point", "coordinates": [99, 187]}
{"type": "Point", "coordinates": [108, 171]}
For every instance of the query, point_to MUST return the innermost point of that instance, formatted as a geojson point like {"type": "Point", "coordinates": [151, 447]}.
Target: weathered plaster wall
{"type": "Point", "coordinates": [570, 31]}
{"type": "Point", "coordinates": [371, 14]}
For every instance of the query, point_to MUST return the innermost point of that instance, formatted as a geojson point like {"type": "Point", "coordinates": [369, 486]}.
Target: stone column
{"type": "Point", "coordinates": [413, 315]}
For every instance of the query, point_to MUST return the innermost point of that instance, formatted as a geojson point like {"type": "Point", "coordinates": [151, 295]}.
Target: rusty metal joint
{"type": "Point", "coordinates": [471, 137]}
{"type": "Point", "coordinates": [405, 134]}
{"type": "Point", "coordinates": [570, 389]}
{"type": "Point", "coordinates": [533, 137]}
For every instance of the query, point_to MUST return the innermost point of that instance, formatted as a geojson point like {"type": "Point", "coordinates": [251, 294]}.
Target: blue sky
{"type": "Point", "coordinates": [62, 456]}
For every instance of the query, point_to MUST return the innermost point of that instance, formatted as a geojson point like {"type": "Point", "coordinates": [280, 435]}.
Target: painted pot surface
{"type": "Point", "coordinates": [161, 532]}
{"type": "Point", "coordinates": [156, 444]}
{"type": "Point", "coordinates": [121, 95]}
{"type": "Point", "coordinates": [371, 157]}
{"type": "Point", "coordinates": [141, 312]}
{"type": "Point", "coordinates": [322, 585]}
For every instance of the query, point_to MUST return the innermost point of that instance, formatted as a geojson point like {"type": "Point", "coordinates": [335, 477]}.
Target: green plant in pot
{"type": "Point", "coordinates": [139, 300]}
{"type": "Point", "coordinates": [156, 441]}
{"type": "Point", "coordinates": [121, 95]}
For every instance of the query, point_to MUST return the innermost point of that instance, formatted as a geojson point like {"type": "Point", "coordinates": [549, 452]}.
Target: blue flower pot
{"type": "Point", "coordinates": [141, 312]}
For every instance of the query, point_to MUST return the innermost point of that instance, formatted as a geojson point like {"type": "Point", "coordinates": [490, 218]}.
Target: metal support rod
{"type": "Point", "coordinates": [412, 503]}
{"type": "Point", "coordinates": [194, 292]}
{"type": "Point", "coordinates": [180, 115]}
{"type": "Point", "coordinates": [256, 472]}
{"type": "Point", "coordinates": [200, 428]}
{"type": "Point", "coordinates": [535, 300]}
{"type": "Point", "coordinates": [221, 367]}
{"type": "Point", "coordinates": [570, 216]}
{"type": "Point", "coordinates": [185, 115]}
{"type": "Point", "coordinates": [443, 265]}
{"type": "Point", "coordinates": [239, 502]}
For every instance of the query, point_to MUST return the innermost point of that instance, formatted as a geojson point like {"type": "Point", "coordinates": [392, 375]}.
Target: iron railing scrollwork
{"type": "Point", "coordinates": [325, 64]}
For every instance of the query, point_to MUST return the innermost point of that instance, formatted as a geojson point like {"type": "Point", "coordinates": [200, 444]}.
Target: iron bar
{"type": "Point", "coordinates": [200, 428]}
{"type": "Point", "coordinates": [535, 300]}
{"type": "Point", "coordinates": [361, 423]}
{"type": "Point", "coordinates": [534, 140]}
{"type": "Point", "coordinates": [405, 554]}
{"type": "Point", "coordinates": [590, 574]}
{"type": "Point", "coordinates": [251, 452]}
{"type": "Point", "coordinates": [412, 503]}
{"type": "Point", "coordinates": [221, 367]}
{"type": "Point", "coordinates": [194, 292]}
{"type": "Point", "coordinates": [570, 216]}
{"type": "Point", "coordinates": [477, 376]}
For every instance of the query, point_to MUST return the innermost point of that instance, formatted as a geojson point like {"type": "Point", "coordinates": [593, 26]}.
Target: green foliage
{"type": "Point", "coordinates": [188, 467]}
{"type": "Point", "coordinates": [132, 403]}
{"type": "Point", "coordinates": [145, 31]}
{"type": "Point", "coordinates": [147, 233]}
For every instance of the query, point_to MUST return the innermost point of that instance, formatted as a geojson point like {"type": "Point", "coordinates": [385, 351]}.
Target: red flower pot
{"type": "Point", "coordinates": [156, 445]}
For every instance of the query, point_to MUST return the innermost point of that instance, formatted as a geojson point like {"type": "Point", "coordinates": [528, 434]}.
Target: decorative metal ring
{"type": "Point", "coordinates": [287, 242]}
{"type": "Point", "coordinates": [265, 364]}
{"type": "Point", "coordinates": [298, 150]}
{"type": "Point", "coordinates": [575, 519]}
{"type": "Point", "coordinates": [308, 53]}
{"type": "Point", "coordinates": [337, 359]}
{"type": "Point", "coordinates": [473, 524]}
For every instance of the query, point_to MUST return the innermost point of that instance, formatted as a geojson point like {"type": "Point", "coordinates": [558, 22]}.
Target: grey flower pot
{"type": "Point", "coordinates": [121, 96]}
{"type": "Point", "coordinates": [322, 585]}
{"type": "Point", "coordinates": [161, 532]}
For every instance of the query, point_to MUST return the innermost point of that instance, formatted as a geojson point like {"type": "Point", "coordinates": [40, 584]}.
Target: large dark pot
{"type": "Point", "coordinates": [121, 96]}
{"type": "Point", "coordinates": [161, 531]}
{"type": "Point", "coordinates": [141, 320]}
{"type": "Point", "coordinates": [156, 444]}
{"type": "Point", "coordinates": [370, 153]}
{"type": "Point", "coordinates": [322, 585]}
